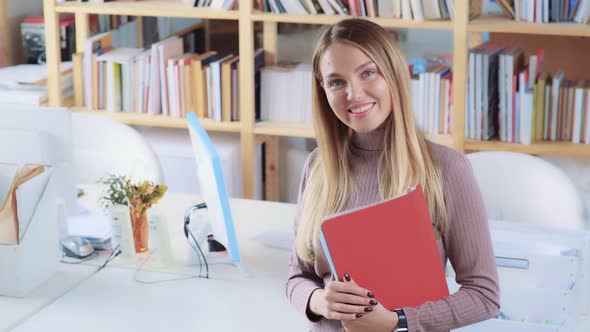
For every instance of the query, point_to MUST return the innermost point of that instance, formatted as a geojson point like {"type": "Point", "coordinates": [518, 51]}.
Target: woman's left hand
{"type": "Point", "coordinates": [380, 320]}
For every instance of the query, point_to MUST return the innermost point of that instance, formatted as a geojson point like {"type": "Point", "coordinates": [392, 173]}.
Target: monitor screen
{"type": "Point", "coordinates": [212, 187]}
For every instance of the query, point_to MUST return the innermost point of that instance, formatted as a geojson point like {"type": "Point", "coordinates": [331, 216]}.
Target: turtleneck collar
{"type": "Point", "coordinates": [371, 141]}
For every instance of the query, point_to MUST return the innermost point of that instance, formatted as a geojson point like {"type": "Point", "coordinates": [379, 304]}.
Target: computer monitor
{"type": "Point", "coordinates": [212, 187]}
{"type": "Point", "coordinates": [56, 125]}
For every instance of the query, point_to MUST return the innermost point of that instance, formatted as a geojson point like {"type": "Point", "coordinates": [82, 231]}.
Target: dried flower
{"type": "Point", "coordinates": [138, 196]}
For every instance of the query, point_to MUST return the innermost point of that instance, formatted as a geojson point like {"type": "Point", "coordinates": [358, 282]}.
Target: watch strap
{"type": "Point", "coordinates": [402, 323]}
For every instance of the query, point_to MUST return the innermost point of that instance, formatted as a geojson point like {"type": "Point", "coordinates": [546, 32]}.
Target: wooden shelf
{"type": "Point", "coordinates": [146, 8]}
{"type": "Point", "coordinates": [163, 121]}
{"type": "Point", "coordinates": [331, 19]}
{"type": "Point", "coordinates": [306, 131]}
{"type": "Point", "coordinates": [502, 24]}
{"type": "Point", "coordinates": [284, 129]}
{"type": "Point", "coordinates": [441, 139]}
{"type": "Point", "coordinates": [540, 148]}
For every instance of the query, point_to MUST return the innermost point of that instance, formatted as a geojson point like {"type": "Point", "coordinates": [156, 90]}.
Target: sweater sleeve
{"type": "Point", "coordinates": [302, 279]}
{"type": "Point", "coordinates": [469, 249]}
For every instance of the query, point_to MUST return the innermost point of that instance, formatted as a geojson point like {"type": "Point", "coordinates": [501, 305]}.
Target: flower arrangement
{"type": "Point", "coordinates": [138, 196]}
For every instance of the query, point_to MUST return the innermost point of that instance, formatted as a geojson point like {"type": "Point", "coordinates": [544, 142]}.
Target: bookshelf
{"type": "Point", "coordinates": [501, 24]}
{"type": "Point", "coordinates": [4, 37]}
{"type": "Point", "coordinates": [541, 148]}
{"type": "Point", "coordinates": [465, 35]}
{"type": "Point", "coordinates": [163, 121]}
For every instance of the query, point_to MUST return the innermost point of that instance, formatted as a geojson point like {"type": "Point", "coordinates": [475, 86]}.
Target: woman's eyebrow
{"type": "Point", "coordinates": [357, 69]}
{"type": "Point", "coordinates": [363, 65]}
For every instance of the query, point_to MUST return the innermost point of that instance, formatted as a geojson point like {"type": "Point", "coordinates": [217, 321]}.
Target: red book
{"type": "Point", "coordinates": [388, 248]}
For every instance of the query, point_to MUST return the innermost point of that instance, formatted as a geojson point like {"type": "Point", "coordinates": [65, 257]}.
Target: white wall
{"type": "Point", "coordinates": [173, 148]}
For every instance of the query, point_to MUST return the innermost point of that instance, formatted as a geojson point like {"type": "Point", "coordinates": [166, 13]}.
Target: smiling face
{"type": "Point", "coordinates": [355, 88]}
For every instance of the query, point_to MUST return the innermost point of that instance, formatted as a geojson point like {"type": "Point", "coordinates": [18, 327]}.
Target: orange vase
{"type": "Point", "coordinates": [140, 225]}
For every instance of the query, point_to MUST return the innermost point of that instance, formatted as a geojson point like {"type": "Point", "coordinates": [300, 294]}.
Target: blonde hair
{"type": "Point", "coordinates": [406, 159]}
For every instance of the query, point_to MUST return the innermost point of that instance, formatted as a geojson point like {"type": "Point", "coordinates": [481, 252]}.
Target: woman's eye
{"type": "Point", "coordinates": [335, 83]}
{"type": "Point", "coordinates": [368, 73]}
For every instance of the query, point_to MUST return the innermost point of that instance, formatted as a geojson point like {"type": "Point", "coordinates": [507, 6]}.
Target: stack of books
{"type": "Point", "coordinates": [545, 11]}
{"type": "Point", "coordinates": [285, 93]}
{"type": "Point", "coordinates": [417, 10]}
{"type": "Point", "coordinates": [520, 103]}
{"type": "Point", "coordinates": [432, 99]}
{"type": "Point", "coordinates": [164, 80]}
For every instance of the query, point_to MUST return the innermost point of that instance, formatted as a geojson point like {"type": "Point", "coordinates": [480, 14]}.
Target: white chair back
{"type": "Point", "coordinates": [104, 146]}
{"type": "Point", "coordinates": [519, 187]}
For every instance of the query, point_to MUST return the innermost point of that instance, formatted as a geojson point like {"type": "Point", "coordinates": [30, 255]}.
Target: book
{"type": "Point", "coordinates": [388, 248]}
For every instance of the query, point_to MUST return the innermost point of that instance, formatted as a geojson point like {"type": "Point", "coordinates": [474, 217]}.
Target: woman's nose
{"type": "Point", "coordinates": [354, 91]}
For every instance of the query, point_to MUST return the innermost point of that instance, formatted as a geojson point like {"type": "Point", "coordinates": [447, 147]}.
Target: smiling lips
{"type": "Point", "coordinates": [362, 111]}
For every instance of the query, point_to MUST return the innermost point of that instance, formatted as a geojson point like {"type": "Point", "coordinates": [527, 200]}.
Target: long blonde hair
{"type": "Point", "coordinates": [406, 159]}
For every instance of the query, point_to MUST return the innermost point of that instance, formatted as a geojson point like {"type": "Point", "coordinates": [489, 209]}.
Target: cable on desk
{"type": "Point", "coordinates": [114, 253]}
{"type": "Point", "coordinates": [157, 281]}
{"type": "Point", "coordinates": [196, 247]}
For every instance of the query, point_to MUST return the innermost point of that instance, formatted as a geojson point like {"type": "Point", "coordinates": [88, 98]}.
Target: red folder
{"type": "Point", "coordinates": [388, 248]}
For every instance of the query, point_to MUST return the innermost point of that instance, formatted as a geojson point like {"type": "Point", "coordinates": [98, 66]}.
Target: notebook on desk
{"type": "Point", "coordinates": [388, 248]}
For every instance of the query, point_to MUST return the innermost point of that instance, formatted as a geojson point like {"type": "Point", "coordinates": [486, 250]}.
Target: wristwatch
{"type": "Point", "coordinates": [402, 323]}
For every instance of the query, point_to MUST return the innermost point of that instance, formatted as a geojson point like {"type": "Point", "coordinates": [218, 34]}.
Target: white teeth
{"type": "Point", "coordinates": [362, 109]}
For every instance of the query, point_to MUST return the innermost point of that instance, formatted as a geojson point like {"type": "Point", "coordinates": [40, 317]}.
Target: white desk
{"type": "Point", "coordinates": [16, 310]}
{"type": "Point", "coordinates": [112, 300]}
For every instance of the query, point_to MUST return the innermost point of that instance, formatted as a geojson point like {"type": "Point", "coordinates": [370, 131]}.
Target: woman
{"type": "Point", "coordinates": [370, 149]}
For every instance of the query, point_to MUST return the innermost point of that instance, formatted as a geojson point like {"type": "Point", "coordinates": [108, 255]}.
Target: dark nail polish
{"type": "Point", "coordinates": [368, 309]}
{"type": "Point", "coordinates": [369, 294]}
{"type": "Point", "coordinates": [359, 315]}
{"type": "Point", "coordinates": [346, 277]}
{"type": "Point", "coordinates": [373, 302]}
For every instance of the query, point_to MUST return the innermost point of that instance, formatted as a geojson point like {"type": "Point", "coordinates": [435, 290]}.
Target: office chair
{"type": "Point", "coordinates": [104, 146]}
{"type": "Point", "coordinates": [523, 188]}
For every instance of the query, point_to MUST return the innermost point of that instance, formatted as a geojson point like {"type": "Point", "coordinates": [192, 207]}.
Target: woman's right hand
{"type": "Point", "coordinates": [342, 300]}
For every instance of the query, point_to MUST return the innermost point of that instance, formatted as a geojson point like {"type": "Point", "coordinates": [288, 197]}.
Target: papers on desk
{"type": "Point", "coordinates": [91, 225]}
{"type": "Point", "coordinates": [551, 292]}
{"type": "Point", "coordinates": [21, 189]}
{"type": "Point", "coordinates": [29, 74]}
{"type": "Point", "coordinates": [27, 84]}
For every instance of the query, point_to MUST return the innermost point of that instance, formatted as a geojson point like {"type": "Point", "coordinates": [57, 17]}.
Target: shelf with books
{"type": "Point", "coordinates": [506, 25]}
{"type": "Point", "coordinates": [146, 8]}
{"type": "Point", "coordinates": [322, 19]}
{"type": "Point", "coordinates": [247, 16]}
{"type": "Point", "coordinates": [163, 121]}
{"type": "Point", "coordinates": [537, 148]}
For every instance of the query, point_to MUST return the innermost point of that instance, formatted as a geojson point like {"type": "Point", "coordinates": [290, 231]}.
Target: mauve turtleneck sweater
{"type": "Point", "coordinates": [466, 243]}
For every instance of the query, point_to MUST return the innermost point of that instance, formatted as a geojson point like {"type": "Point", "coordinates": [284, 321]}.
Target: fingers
{"type": "Point", "coordinates": [352, 288]}
{"type": "Point", "coordinates": [335, 296]}
{"type": "Point", "coordinates": [347, 301]}
{"type": "Point", "coordinates": [343, 316]}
